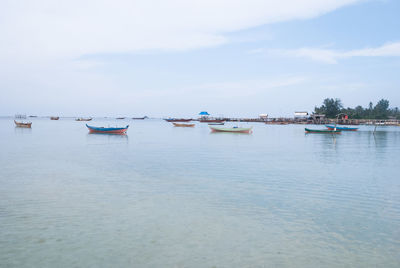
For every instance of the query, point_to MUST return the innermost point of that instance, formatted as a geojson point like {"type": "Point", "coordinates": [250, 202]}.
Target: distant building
{"type": "Point", "coordinates": [263, 116]}
{"type": "Point", "coordinates": [317, 118]}
{"type": "Point", "coordinates": [300, 114]}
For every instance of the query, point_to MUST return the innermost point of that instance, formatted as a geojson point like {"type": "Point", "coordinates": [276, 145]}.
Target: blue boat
{"type": "Point", "coordinates": [342, 128]}
{"type": "Point", "coordinates": [108, 130]}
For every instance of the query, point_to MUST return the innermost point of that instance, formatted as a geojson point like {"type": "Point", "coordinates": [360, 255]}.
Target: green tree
{"type": "Point", "coordinates": [381, 109]}
{"type": "Point", "coordinates": [369, 113]}
{"type": "Point", "coordinates": [359, 112]}
{"type": "Point", "coordinates": [330, 108]}
{"type": "Point", "coordinates": [395, 113]}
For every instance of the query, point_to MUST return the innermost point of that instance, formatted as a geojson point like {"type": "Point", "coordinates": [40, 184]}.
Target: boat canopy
{"type": "Point", "coordinates": [203, 113]}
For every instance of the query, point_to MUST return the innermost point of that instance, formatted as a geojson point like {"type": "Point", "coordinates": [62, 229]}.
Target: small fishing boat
{"type": "Point", "coordinates": [183, 125]}
{"type": "Point", "coordinates": [108, 130]}
{"type": "Point", "coordinates": [341, 128]}
{"type": "Point", "coordinates": [83, 119]}
{"type": "Point", "coordinates": [322, 131]}
{"type": "Point", "coordinates": [22, 124]}
{"type": "Point", "coordinates": [178, 120]}
{"type": "Point", "coordinates": [231, 129]}
{"type": "Point", "coordinates": [276, 123]}
{"type": "Point", "coordinates": [120, 118]}
{"type": "Point", "coordinates": [216, 124]}
{"type": "Point", "coordinates": [54, 117]}
{"type": "Point", "coordinates": [211, 121]}
{"type": "Point", "coordinates": [139, 118]}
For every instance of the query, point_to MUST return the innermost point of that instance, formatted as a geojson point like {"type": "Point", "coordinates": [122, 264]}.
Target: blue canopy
{"type": "Point", "coordinates": [204, 113]}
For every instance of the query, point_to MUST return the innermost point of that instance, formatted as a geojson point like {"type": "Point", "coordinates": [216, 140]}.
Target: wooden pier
{"type": "Point", "coordinates": [316, 120]}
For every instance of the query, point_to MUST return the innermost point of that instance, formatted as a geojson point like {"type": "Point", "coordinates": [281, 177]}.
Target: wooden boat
{"type": "Point", "coordinates": [341, 128]}
{"type": "Point", "coordinates": [83, 119]}
{"type": "Point", "coordinates": [139, 118]}
{"type": "Point", "coordinates": [183, 125]}
{"type": "Point", "coordinates": [231, 129]}
{"type": "Point", "coordinates": [211, 121]}
{"type": "Point", "coordinates": [322, 131]}
{"type": "Point", "coordinates": [178, 120]}
{"type": "Point", "coordinates": [54, 117]}
{"type": "Point", "coordinates": [276, 123]}
{"type": "Point", "coordinates": [21, 124]}
{"type": "Point", "coordinates": [216, 124]}
{"type": "Point", "coordinates": [108, 130]}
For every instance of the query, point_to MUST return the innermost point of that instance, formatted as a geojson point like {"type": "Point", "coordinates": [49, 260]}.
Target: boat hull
{"type": "Point", "coordinates": [211, 121]}
{"type": "Point", "coordinates": [341, 128]}
{"type": "Point", "coordinates": [54, 118]}
{"type": "Point", "coordinates": [110, 130]}
{"type": "Point", "coordinates": [277, 123]}
{"type": "Point", "coordinates": [25, 125]}
{"type": "Point", "coordinates": [183, 125]}
{"type": "Point", "coordinates": [178, 120]}
{"type": "Point", "coordinates": [231, 130]}
{"type": "Point", "coordinates": [83, 119]}
{"type": "Point", "coordinates": [322, 131]}
{"type": "Point", "coordinates": [216, 124]}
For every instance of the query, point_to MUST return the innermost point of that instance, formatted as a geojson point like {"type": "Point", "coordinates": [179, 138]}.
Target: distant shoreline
{"type": "Point", "coordinates": [271, 121]}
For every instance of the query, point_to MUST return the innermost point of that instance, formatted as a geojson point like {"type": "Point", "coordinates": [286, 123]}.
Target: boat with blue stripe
{"type": "Point", "coordinates": [330, 127]}
{"type": "Point", "coordinates": [108, 130]}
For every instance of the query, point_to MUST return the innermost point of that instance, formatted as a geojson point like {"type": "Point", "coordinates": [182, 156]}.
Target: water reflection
{"type": "Point", "coordinates": [230, 133]}
{"type": "Point", "coordinates": [380, 139]}
{"type": "Point", "coordinates": [101, 138]}
{"type": "Point", "coordinates": [22, 130]}
{"type": "Point", "coordinates": [275, 198]}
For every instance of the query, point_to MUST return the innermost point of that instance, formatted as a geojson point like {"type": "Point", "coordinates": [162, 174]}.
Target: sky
{"type": "Point", "coordinates": [175, 58]}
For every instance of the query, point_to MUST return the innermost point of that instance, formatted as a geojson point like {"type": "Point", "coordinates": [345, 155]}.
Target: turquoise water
{"type": "Point", "coordinates": [182, 197]}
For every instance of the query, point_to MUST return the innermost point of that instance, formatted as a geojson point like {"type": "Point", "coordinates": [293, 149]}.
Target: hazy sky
{"type": "Point", "coordinates": [179, 57]}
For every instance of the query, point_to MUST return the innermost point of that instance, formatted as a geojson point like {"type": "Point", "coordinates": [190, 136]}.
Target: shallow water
{"type": "Point", "coordinates": [163, 196]}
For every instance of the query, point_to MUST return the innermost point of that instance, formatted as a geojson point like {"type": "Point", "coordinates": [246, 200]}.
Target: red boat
{"type": "Point", "coordinates": [178, 120]}
{"type": "Point", "coordinates": [107, 130]}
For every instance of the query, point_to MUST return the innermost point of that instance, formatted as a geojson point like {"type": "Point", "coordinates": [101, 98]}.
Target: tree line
{"type": "Point", "coordinates": [332, 107]}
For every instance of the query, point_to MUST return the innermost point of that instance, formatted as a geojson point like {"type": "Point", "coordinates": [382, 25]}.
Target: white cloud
{"type": "Point", "coordinates": [332, 56]}
{"type": "Point", "coordinates": [42, 43]}
{"type": "Point", "coordinates": [246, 87]}
{"type": "Point", "coordinates": [225, 90]}
{"type": "Point", "coordinates": [54, 29]}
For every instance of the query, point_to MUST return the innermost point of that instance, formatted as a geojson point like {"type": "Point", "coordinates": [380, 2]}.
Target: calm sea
{"type": "Point", "coordinates": [163, 196]}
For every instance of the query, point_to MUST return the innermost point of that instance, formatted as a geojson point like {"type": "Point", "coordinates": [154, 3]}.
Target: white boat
{"type": "Point", "coordinates": [231, 129]}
